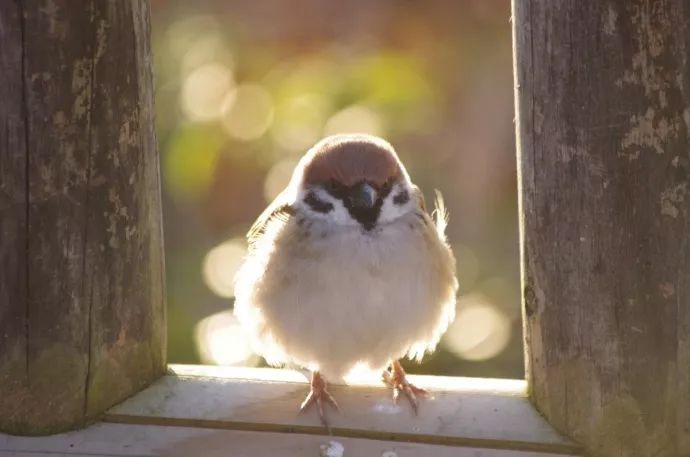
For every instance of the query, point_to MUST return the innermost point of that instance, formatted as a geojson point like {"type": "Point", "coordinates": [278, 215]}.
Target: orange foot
{"type": "Point", "coordinates": [319, 395]}
{"type": "Point", "coordinates": [396, 379]}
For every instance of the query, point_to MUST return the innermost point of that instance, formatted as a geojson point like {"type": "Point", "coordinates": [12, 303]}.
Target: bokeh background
{"type": "Point", "coordinates": [244, 87]}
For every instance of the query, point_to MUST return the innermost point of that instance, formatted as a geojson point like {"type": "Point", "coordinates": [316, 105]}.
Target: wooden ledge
{"type": "Point", "coordinates": [474, 412]}
{"type": "Point", "coordinates": [126, 440]}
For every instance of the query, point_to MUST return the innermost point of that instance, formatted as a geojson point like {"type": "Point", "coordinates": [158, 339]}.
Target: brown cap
{"type": "Point", "coordinates": [349, 159]}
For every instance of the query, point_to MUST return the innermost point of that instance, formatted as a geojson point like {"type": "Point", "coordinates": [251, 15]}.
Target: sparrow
{"type": "Point", "coordinates": [347, 267]}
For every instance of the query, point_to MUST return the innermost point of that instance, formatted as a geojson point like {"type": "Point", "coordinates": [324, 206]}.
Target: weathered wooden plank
{"type": "Point", "coordinates": [147, 440]}
{"type": "Point", "coordinates": [603, 125]}
{"type": "Point", "coordinates": [123, 239]}
{"type": "Point", "coordinates": [465, 411]}
{"type": "Point", "coordinates": [44, 454]}
{"type": "Point", "coordinates": [13, 204]}
{"type": "Point", "coordinates": [81, 277]}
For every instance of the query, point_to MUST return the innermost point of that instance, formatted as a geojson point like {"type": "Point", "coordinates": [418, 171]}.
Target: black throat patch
{"type": "Point", "coordinates": [367, 217]}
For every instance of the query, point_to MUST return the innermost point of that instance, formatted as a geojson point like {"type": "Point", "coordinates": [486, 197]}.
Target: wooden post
{"type": "Point", "coordinates": [603, 127]}
{"type": "Point", "coordinates": [82, 315]}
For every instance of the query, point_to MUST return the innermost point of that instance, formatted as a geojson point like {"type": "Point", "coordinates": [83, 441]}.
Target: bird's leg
{"type": "Point", "coordinates": [319, 395]}
{"type": "Point", "coordinates": [397, 379]}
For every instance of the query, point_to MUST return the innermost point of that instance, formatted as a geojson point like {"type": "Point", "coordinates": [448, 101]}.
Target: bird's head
{"type": "Point", "coordinates": [353, 180]}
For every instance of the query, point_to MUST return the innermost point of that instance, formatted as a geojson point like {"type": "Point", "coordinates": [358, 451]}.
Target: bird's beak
{"type": "Point", "coordinates": [363, 196]}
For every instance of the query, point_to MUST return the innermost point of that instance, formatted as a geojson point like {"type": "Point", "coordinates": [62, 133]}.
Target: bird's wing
{"type": "Point", "coordinates": [439, 215]}
{"type": "Point", "coordinates": [279, 210]}
{"type": "Point", "coordinates": [417, 192]}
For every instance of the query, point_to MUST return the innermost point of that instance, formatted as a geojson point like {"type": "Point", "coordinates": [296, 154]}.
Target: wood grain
{"type": "Point", "coordinates": [603, 126]}
{"type": "Point", "coordinates": [147, 440]}
{"type": "Point", "coordinates": [473, 412]}
{"type": "Point", "coordinates": [81, 271]}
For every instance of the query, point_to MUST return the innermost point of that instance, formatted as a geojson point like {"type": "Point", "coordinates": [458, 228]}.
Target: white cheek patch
{"type": "Point", "coordinates": [390, 210]}
{"type": "Point", "coordinates": [339, 215]}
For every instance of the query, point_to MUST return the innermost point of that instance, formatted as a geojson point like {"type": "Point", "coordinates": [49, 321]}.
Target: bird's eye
{"type": "Point", "coordinates": [335, 189]}
{"type": "Point", "coordinates": [401, 198]}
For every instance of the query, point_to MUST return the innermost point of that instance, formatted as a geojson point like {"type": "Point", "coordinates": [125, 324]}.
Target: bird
{"type": "Point", "coordinates": [346, 267]}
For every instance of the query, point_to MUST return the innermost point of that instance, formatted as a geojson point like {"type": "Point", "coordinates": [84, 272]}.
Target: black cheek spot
{"type": "Point", "coordinates": [402, 198]}
{"type": "Point", "coordinates": [317, 204]}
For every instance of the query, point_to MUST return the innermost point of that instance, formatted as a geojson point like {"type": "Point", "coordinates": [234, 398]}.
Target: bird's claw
{"type": "Point", "coordinates": [319, 395]}
{"type": "Point", "coordinates": [397, 379]}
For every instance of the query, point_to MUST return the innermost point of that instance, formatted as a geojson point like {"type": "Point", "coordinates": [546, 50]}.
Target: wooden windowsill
{"type": "Point", "coordinates": [218, 412]}
{"type": "Point", "coordinates": [471, 412]}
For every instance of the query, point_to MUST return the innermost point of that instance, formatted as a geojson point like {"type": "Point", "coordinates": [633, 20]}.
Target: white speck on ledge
{"type": "Point", "coordinates": [332, 449]}
{"type": "Point", "coordinates": [389, 454]}
{"type": "Point", "coordinates": [386, 407]}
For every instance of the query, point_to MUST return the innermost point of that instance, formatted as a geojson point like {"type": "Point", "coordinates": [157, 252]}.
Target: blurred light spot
{"type": "Point", "coordinates": [220, 265]}
{"type": "Point", "coordinates": [204, 91]}
{"type": "Point", "coordinates": [467, 266]}
{"type": "Point", "coordinates": [206, 49]}
{"type": "Point", "coordinates": [480, 331]}
{"type": "Point", "coordinates": [248, 112]}
{"type": "Point", "coordinates": [182, 34]}
{"type": "Point", "coordinates": [354, 119]}
{"type": "Point", "coordinates": [299, 122]}
{"type": "Point", "coordinates": [500, 290]}
{"type": "Point", "coordinates": [190, 160]}
{"type": "Point", "coordinates": [220, 340]}
{"type": "Point", "coordinates": [278, 177]}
